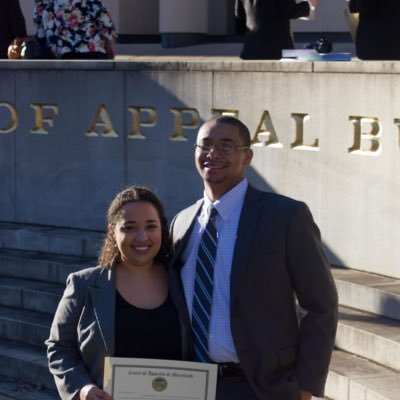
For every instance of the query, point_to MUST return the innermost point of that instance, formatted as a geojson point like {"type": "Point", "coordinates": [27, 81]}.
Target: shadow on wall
{"type": "Point", "coordinates": [261, 183]}
{"type": "Point", "coordinates": [67, 176]}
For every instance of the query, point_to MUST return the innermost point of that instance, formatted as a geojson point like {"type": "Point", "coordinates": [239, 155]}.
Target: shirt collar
{"type": "Point", "coordinates": [227, 203]}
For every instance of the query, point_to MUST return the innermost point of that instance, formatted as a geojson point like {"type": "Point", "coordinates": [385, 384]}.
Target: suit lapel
{"type": "Point", "coordinates": [182, 228]}
{"type": "Point", "coordinates": [103, 298]}
{"type": "Point", "coordinates": [245, 237]}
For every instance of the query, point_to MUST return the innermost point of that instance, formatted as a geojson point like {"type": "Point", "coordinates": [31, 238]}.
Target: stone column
{"type": "Point", "coordinates": [183, 22]}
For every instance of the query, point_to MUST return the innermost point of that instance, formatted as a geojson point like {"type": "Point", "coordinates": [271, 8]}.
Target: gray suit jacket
{"type": "Point", "coordinates": [278, 253]}
{"type": "Point", "coordinates": [82, 333]}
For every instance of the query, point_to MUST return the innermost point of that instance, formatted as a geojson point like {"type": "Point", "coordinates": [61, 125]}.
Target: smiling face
{"type": "Point", "coordinates": [138, 234]}
{"type": "Point", "coordinates": [220, 171]}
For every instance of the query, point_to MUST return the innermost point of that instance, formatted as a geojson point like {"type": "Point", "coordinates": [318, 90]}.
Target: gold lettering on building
{"type": "Point", "coordinates": [192, 122]}
{"type": "Point", "coordinates": [266, 132]}
{"type": "Point", "coordinates": [365, 143]}
{"type": "Point", "coordinates": [102, 121]}
{"type": "Point", "coordinates": [138, 121]}
{"type": "Point", "coordinates": [13, 122]}
{"type": "Point", "coordinates": [216, 112]}
{"type": "Point", "coordinates": [298, 143]}
{"type": "Point", "coordinates": [44, 114]}
{"type": "Point", "coordinates": [397, 122]}
{"type": "Point", "coordinates": [367, 131]}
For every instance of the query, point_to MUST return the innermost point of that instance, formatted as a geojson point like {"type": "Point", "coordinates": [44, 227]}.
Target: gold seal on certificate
{"type": "Point", "coordinates": [159, 384]}
{"type": "Point", "coordinates": [138, 379]}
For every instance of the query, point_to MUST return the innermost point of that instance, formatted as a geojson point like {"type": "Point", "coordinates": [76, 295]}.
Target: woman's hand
{"type": "Point", "coordinates": [92, 392]}
{"type": "Point", "coordinates": [305, 395]}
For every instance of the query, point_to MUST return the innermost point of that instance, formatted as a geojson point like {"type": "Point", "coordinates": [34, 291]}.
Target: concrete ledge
{"type": "Point", "coordinates": [35, 65]}
{"type": "Point", "coordinates": [354, 378]}
{"type": "Point", "coordinates": [39, 266]}
{"type": "Point", "coordinates": [358, 67]}
{"type": "Point", "coordinates": [24, 326]}
{"type": "Point", "coordinates": [368, 292]}
{"type": "Point", "coordinates": [205, 63]}
{"type": "Point", "coordinates": [160, 63]}
{"type": "Point", "coordinates": [11, 389]}
{"type": "Point", "coordinates": [28, 363]}
{"type": "Point", "coordinates": [369, 336]}
{"type": "Point", "coordinates": [50, 240]}
{"type": "Point", "coordinates": [30, 295]}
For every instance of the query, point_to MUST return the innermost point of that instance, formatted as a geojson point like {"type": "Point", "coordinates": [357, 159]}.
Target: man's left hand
{"type": "Point", "coordinates": [305, 395]}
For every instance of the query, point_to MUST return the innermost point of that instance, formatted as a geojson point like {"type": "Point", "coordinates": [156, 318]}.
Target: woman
{"type": "Point", "coordinates": [378, 35]}
{"type": "Point", "coordinates": [75, 29]}
{"type": "Point", "coordinates": [120, 308]}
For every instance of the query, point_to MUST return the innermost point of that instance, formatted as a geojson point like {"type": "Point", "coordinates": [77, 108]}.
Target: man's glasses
{"type": "Point", "coordinates": [224, 148]}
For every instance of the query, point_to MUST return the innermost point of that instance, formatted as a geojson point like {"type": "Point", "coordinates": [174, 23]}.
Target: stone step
{"type": "Point", "coordinates": [370, 336]}
{"type": "Point", "coordinates": [25, 363]}
{"type": "Point", "coordinates": [368, 292]}
{"type": "Point", "coordinates": [354, 378]}
{"type": "Point", "coordinates": [43, 267]}
{"type": "Point", "coordinates": [30, 295]}
{"type": "Point", "coordinates": [29, 327]}
{"type": "Point", "coordinates": [14, 389]}
{"type": "Point", "coordinates": [52, 240]}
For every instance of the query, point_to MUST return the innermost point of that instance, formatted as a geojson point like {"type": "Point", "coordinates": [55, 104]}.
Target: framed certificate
{"type": "Point", "coordinates": [145, 379]}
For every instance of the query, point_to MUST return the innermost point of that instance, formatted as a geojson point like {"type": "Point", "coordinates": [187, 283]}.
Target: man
{"type": "Point", "coordinates": [268, 25]}
{"type": "Point", "coordinates": [268, 249]}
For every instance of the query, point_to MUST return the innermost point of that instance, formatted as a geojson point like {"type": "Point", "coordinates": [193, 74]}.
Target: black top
{"type": "Point", "coordinates": [145, 333]}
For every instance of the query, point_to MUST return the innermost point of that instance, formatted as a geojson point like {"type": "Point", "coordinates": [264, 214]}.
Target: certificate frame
{"type": "Point", "coordinates": [139, 378]}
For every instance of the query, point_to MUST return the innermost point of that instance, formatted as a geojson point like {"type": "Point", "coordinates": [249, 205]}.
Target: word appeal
{"type": "Point", "coordinates": [367, 131]}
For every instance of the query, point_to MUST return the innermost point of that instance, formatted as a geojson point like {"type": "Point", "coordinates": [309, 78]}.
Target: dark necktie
{"type": "Point", "coordinates": [203, 288]}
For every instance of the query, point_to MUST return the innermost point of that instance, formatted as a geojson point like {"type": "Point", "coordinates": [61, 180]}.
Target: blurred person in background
{"type": "Point", "coordinates": [12, 24]}
{"type": "Point", "coordinates": [268, 26]}
{"type": "Point", "coordinates": [75, 29]}
{"type": "Point", "coordinates": [378, 32]}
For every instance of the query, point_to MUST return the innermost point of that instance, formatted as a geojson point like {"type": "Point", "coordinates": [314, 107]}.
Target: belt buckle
{"type": "Point", "coordinates": [224, 368]}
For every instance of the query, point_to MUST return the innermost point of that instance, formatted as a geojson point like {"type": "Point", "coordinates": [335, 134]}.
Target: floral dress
{"type": "Point", "coordinates": [77, 26]}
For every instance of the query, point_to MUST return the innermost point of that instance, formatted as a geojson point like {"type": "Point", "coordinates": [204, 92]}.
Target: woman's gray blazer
{"type": "Point", "coordinates": [82, 333]}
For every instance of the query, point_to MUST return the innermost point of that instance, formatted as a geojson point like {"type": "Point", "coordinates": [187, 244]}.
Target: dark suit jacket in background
{"type": "Point", "coordinates": [378, 33]}
{"type": "Point", "coordinates": [278, 252]}
{"type": "Point", "coordinates": [268, 26]}
{"type": "Point", "coordinates": [12, 24]}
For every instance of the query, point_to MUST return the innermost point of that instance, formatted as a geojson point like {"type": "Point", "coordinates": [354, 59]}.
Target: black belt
{"type": "Point", "coordinates": [229, 369]}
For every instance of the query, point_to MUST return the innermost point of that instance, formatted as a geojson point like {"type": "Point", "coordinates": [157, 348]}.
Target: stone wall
{"type": "Point", "coordinates": [72, 134]}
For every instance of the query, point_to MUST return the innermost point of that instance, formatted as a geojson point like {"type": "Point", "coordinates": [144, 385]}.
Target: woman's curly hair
{"type": "Point", "coordinates": [109, 253]}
